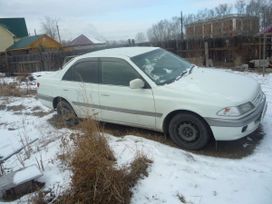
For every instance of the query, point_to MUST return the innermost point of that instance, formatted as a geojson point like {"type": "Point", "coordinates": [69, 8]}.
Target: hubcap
{"type": "Point", "coordinates": [188, 132]}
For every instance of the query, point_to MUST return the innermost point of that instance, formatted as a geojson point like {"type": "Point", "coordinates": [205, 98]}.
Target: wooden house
{"type": "Point", "coordinates": [11, 30]}
{"type": "Point", "coordinates": [32, 53]}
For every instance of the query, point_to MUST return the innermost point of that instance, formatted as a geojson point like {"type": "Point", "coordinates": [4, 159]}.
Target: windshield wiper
{"type": "Point", "coordinates": [191, 68]}
{"type": "Point", "coordinates": [181, 75]}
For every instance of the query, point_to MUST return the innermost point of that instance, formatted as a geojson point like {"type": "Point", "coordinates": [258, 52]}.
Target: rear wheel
{"type": "Point", "coordinates": [66, 113]}
{"type": "Point", "coordinates": [189, 131]}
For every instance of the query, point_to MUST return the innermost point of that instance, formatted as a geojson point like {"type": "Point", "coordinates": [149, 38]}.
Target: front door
{"type": "Point", "coordinates": [118, 102]}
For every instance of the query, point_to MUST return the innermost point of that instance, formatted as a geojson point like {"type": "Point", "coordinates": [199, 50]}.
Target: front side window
{"type": "Point", "coordinates": [117, 72]}
{"type": "Point", "coordinates": [86, 71]}
{"type": "Point", "coordinates": [161, 66]}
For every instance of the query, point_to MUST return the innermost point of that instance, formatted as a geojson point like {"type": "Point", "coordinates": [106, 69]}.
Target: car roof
{"type": "Point", "coordinates": [120, 52]}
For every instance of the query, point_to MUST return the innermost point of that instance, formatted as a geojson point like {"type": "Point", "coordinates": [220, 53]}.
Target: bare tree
{"type": "Point", "coordinates": [240, 6]}
{"type": "Point", "coordinates": [262, 9]}
{"type": "Point", "coordinates": [165, 30]}
{"type": "Point", "coordinates": [190, 18]}
{"type": "Point", "coordinates": [140, 37]}
{"type": "Point", "coordinates": [49, 27]}
{"type": "Point", "coordinates": [223, 9]}
{"type": "Point", "coordinates": [175, 28]}
{"type": "Point", "coordinates": [158, 32]}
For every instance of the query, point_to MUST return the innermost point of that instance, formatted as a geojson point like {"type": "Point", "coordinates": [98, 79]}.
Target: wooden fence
{"type": "Point", "coordinates": [225, 52]}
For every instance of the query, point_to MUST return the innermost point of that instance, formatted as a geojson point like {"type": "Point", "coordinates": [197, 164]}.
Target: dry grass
{"type": "Point", "coordinates": [38, 198]}
{"type": "Point", "coordinates": [95, 176]}
{"type": "Point", "coordinates": [9, 90]}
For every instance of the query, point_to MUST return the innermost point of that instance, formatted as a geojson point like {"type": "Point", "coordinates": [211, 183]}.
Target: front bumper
{"type": "Point", "coordinates": [232, 129]}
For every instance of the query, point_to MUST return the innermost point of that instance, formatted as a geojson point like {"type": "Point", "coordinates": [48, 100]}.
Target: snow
{"type": "Point", "coordinates": [96, 40]}
{"type": "Point", "coordinates": [197, 177]}
{"type": "Point", "coordinates": [26, 174]}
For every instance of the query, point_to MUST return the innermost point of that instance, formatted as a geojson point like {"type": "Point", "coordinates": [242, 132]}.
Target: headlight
{"type": "Point", "coordinates": [236, 110]}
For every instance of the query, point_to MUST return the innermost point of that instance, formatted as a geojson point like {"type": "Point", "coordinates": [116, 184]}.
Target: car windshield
{"type": "Point", "coordinates": [162, 66]}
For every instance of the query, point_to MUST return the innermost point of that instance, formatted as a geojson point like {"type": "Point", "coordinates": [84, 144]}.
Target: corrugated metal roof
{"type": "Point", "coordinates": [24, 42]}
{"type": "Point", "coordinates": [15, 25]}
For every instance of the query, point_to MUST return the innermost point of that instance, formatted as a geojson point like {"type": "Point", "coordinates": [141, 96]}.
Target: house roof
{"type": "Point", "coordinates": [15, 25]}
{"type": "Point", "coordinates": [81, 40]}
{"type": "Point", "coordinates": [24, 42]}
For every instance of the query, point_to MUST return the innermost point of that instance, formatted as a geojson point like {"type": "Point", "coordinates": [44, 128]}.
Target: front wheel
{"type": "Point", "coordinates": [189, 131]}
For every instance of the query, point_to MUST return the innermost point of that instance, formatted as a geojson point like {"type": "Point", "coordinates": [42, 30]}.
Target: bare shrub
{"type": "Point", "coordinates": [95, 176]}
{"type": "Point", "coordinates": [38, 198]}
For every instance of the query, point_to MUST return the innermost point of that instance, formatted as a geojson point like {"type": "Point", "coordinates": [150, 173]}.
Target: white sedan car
{"type": "Point", "coordinates": [151, 88]}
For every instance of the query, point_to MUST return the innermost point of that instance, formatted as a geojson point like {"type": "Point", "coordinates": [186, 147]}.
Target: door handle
{"type": "Point", "coordinates": [65, 90]}
{"type": "Point", "coordinates": [105, 95]}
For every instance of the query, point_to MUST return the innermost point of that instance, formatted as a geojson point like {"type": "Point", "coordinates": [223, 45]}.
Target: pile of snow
{"type": "Point", "coordinates": [175, 175]}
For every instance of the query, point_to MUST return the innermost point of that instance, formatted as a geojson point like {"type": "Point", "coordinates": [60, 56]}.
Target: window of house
{"type": "Point", "coordinates": [118, 72]}
{"type": "Point", "coordinates": [83, 72]}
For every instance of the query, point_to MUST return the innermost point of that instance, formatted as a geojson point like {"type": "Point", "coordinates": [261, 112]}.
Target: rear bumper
{"type": "Point", "coordinates": [232, 129]}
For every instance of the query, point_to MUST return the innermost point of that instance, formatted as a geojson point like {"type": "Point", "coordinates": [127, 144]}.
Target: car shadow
{"type": "Point", "coordinates": [225, 149]}
{"type": "Point", "coordinates": [234, 149]}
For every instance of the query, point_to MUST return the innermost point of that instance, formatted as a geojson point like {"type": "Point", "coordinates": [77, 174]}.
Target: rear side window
{"type": "Point", "coordinates": [118, 72]}
{"type": "Point", "coordinates": [83, 72]}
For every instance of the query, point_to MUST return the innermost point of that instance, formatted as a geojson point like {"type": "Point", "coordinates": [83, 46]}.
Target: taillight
{"type": "Point", "coordinates": [38, 84]}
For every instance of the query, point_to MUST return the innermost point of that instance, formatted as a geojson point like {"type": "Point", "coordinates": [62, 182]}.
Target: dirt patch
{"type": "Point", "coordinates": [3, 107]}
{"type": "Point", "coordinates": [120, 131]}
{"type": "Point", "coordinates": [16, 108]}
{"type": "Point", "coordinates": [40, 113]}
{"type": "Point", "coordinates": [57, 122]}
{"type": "Point", "coordinates": [21, 190]}
{"type": "Point", "coordinates": [36, 108]}
{"type": "Point", "coordinates": [3, 124]}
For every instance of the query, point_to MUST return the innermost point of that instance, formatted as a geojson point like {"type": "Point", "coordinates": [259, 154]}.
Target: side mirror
{"type": "Point", "coordinates": [136, 84]}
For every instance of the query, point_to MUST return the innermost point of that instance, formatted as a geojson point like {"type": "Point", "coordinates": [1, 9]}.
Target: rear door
{"type": "Point", "coordinates": [118, 102]}
{"type": "Point", "coordinates": [80, 87]}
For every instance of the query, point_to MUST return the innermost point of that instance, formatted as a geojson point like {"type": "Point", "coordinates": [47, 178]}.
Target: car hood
{"type": "Point", "coordinates": [218, 86]}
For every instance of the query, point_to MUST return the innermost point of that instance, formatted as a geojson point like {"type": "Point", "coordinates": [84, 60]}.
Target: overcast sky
{"type": "Point", "coordinates": [112, 19]}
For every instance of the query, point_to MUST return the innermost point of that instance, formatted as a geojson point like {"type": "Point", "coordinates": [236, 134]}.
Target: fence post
{"type": "Point", "coordinates": [6, 59]}
{"type": "Point", "coordinates": [264, 49]}
{"type": "Point", "coordinates": [206, 53]}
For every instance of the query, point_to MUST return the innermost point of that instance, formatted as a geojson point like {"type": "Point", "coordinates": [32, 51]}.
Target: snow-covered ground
{"type": "Point", "coordinates": [175, 176]}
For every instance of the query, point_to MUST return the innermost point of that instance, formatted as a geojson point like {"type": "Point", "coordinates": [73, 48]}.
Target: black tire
{"type": "Point", "coordinates": [189, 131]}
{"type": "Point", "coordinates": [66, 113]}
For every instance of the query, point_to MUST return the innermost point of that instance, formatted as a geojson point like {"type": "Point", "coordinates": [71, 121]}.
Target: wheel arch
{"type": "Point", "coordinates": [57, 99]}
{"type": "Point", "coordinates": [170, 115]}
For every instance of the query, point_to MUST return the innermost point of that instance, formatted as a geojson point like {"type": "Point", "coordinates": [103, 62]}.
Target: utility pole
{"type": "Point", "coordinates": [181, 26]}
{"type": "Point", "coordinates": [58, 33]}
